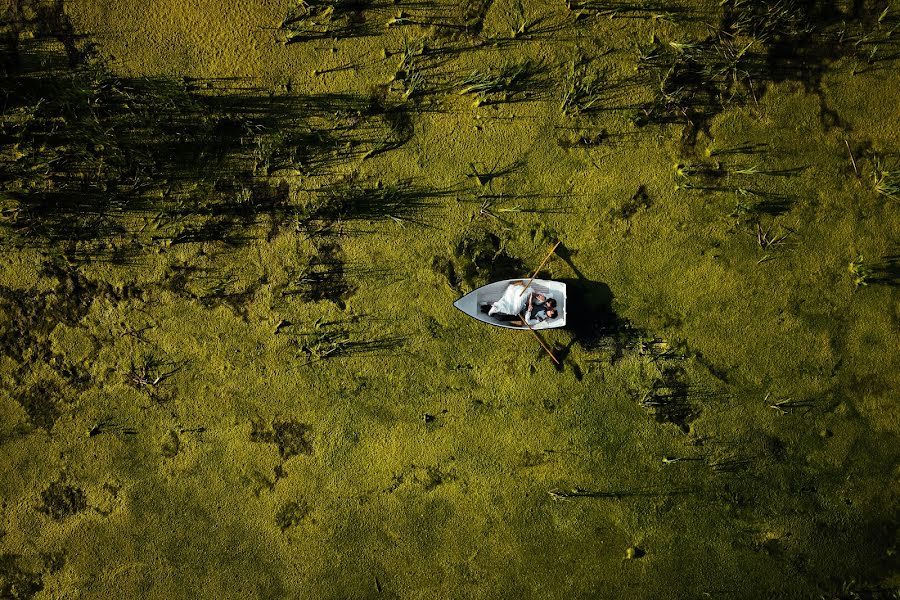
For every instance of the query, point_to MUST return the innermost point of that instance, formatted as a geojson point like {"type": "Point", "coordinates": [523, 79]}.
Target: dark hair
{"type": "Point", "coordinates": [551, 310]}
{"type": "Point", "coordinates": [551, 302]}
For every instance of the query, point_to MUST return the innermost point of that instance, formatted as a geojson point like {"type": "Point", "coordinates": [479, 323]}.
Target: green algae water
{"type": "Point", "coordinates": [232, 233]}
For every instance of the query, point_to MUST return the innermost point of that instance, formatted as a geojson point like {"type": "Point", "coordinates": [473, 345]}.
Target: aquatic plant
{"type": "Point", "coordinates": [333, 339]}
{"type": "Point", "coordinates": [500, 84]}
{"type": "Point", "coordinates": [691, 80]}
{"type": "Point", "coordinates": [616, 9]}
{"type": "Point", "coordinates": [583, 92]}
{"type": "Point", "coordinates": [355, 200]}
{"type": "Point", "coordinates": [766, 239]}
{"type": "Point", "coordinates": [323, 343]}
{"type": "Point", "coordinates": [484, 176]}
{"type": "Point", "coordinates": [859, 272]}
{"type": "Point", "coordinates": [766, 20]}
{"type": "Point", "coordinates": [885, 181]}
{"type": "Point", "coordinates": [409, 72]}
{"type": "Point", "coordinates": [317, 19]}
{"type": "Point", "coordinates": [517, 20]}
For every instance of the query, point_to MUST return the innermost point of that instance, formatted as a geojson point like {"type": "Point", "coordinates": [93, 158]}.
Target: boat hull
{"type": "Point", "coordinates": [487, 294]}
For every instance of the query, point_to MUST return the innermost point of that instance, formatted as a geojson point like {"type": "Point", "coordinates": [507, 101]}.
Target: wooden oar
{"type": "Point", "coordinates": [540, 341]}
{"type": "Point", "coordinates": [546, 258]}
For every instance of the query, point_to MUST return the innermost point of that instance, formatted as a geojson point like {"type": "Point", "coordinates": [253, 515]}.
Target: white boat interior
{"type": "Point", "coordinates": [486, 295]}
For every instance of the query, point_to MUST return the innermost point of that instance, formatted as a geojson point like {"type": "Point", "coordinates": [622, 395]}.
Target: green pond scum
{"type": "Point", "coordinates": [232, 232]}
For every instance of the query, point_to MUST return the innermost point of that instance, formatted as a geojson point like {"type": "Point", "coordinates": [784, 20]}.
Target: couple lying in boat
{"type": "Point", "coordinates": [518, 299]}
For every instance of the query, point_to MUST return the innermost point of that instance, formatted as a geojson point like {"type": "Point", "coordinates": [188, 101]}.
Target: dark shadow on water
{"type": "Point", "coordinates": [887, 271]}
{"type": "Point", "coordinates": [590, 316]}
{"type": "Point", "coordinates": [594, 326]}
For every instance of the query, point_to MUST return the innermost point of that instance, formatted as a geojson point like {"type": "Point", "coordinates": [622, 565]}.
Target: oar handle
{"type": "Point", "coordinates": [540, 341]}
{"type": "Point", "coordinates": [540, 266]}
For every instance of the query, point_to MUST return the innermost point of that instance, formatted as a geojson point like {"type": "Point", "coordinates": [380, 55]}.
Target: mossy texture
{"type": "Point", "coordinates": [232, 233]}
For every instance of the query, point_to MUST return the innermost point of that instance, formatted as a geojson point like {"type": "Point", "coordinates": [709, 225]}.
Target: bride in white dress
{"type": "Point", "coordinates": [517, 298]}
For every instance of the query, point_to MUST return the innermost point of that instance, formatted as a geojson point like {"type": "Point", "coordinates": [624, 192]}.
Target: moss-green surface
{"type": "Point", "coordinates": [724, 423]}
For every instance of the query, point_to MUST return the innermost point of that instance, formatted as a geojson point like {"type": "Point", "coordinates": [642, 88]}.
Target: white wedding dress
{"type": "Point", "coordinates": [514, 301]}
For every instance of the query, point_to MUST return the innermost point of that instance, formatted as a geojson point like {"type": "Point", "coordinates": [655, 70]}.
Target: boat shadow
{"type": "Point", "coordinates": [591, 322]}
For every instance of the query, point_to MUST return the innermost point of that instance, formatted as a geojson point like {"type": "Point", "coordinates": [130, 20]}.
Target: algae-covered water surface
{"type": "Point", "coordinates": [232, 233]}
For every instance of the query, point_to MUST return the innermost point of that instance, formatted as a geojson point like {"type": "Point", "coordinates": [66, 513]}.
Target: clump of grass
{"type": "Point", "coordinates": [148, 373]}
{"type": "Point", "coordinates": [885, 181]}
{"type": "Point", "coordinates": [766, 20]}
{"type": "Point", "coordinates": [409, 75]}
{"type": "Point", "coordinates": [316, 19]}
{"type": "Point", "coordinates": [484, 85]}
{"type": "Point", "coordinates": [517, 20]}
{"type": "Point", "coordinates": [859, 272]}
{"type": "Point", "coordinates": [742, 209]}
{"type": "Point", "coordinates": [698, 170]}
{"type": "Point", "coordinates": [767, 239]}
{"type": "Point", "coordinates": [583, 92]}
{"type": "Point", "coordinates": [353, 201]}
{"type": "Point", "coordinates": [334, 339]}
{"type": "Point", "coordinates": [322, 343]}
{"type": "Point", "coordinates": [614, 9]}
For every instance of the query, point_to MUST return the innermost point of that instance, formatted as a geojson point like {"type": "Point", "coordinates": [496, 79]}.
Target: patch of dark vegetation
{"type": "Point", "coordinates": [668, 397]}
{"type": "Point", "coordinates": [757, 43]}
{"type": "Point", "coordinates": [148, 371]}
{"type": "Point", "coordinates": [855, 590]}
{"type": "Point", "coordinates": [627, 9]}
{"type": "Point", "coordinates": [691, 81]}
{"type": "Point", "coordinates": [290, 436]}
{"type": "Point", "coordinates": [510, 82]}
{"type": "Point", "coordinates": [53, 561]}
{"type": "Point", "coordinates": [427, 478]}
{"type": "Point", "coordinates": [323, 19]}
{"type": "Point", "coordinates": [443, 266]}
{"type": "Point", "coordinates": [225, 290]}
{"type": "Point", "coordinates": [431, 477]}
{"type": "Point", "coordinates": [563, 495]}
{"type": "Point", "coordinates": [639, 201]}
{"type": "Point", "coordinates": [211, 287]}
{"type": "Point", "coordinates": [479, 256]}
{"type": "Point", "coordinates": [323, 278]}
{"type": "Point", "coordinates": [291, 514]}
{"type": "Point", "coordinates": [340, 339]}
{"type": "Point", "coordinates": [17, 582]}
{"type": "Point", "coordinates": [171, 445]}
{"type": "Point", "coordinates": [584, 138]}
{"type": "Point", "coordinates": [473, 15]}
{"type": "Point", "coordinates": [27, 320]}
{"type": "Point", "coordinates": [109, 425]}
{"type": "Point", "coordinates": [353, 201]}
{"type": "Point", "coordinates": [105, 166]}
{"type": "Point", "coordinates": [43, 403]}
{"type": "Point", "coordinates": [60, 501]}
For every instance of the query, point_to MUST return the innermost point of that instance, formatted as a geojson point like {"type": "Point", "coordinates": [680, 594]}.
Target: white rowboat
{"type": "Point", "coordinates": [472, 302]}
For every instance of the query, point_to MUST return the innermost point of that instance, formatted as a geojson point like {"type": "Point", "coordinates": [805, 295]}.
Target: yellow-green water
{"type": "Point", "coordinates": [300, 412]}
